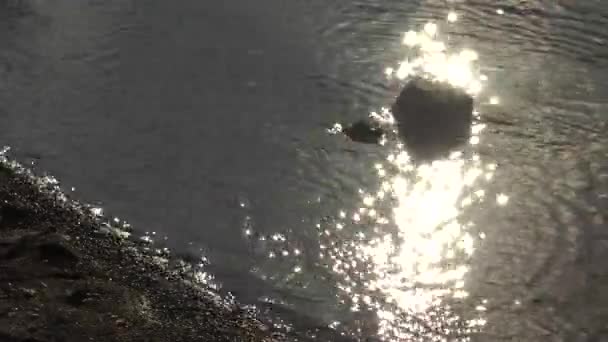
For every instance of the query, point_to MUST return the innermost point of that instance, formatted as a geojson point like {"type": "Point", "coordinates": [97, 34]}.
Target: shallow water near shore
{"type": "Point", "coordinates": [207, 125]}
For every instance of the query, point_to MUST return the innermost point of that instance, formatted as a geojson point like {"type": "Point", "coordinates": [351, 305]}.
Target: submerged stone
{"type": "Point", "coordinates": [364, 131]}
{"type": "Point", "coordinates": [433, 117]}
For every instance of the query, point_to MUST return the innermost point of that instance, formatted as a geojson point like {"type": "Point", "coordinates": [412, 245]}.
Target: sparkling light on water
{"type": "Point", "coordinates": [452, 17]}
{"type": "Point", "coordinates": [403, 252]}
{"type": "Point", "coordinates": [432, 59]}
{"type": "Point", "coordinates": [418, 262]}
{"type": "Point", "coordinates": [422, 262]}
{"type": "Point", "coordinates": [502, 199]}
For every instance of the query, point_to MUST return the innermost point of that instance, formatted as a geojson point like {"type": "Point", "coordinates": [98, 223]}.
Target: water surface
{"type": "Point", "coordinates": [205, 124]}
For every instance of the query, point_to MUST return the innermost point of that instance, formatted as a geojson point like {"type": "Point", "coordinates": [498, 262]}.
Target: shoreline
{"type": "Point", "coordinates": [63, 279]}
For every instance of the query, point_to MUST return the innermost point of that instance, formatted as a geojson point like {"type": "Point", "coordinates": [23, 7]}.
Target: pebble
{"type": "Point", "coordinates": [28, 292]}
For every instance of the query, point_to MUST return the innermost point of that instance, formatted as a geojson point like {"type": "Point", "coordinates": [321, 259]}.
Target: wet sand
{"type": "Point", "coordinates": [61, 280]}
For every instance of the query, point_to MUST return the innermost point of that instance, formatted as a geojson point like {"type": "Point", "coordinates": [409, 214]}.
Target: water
{"type": "Point", "coordinates": [205, 123]}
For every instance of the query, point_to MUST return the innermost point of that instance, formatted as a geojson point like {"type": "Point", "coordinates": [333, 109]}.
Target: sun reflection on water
{"type": "Point", "coordinates": [403, 254]}
{"type": "Point", "coordinates": [429, 56]}
{"type": "Point", "coordinates": [416, 256]}
{"type": "Point", "coordinates": [417, 259]}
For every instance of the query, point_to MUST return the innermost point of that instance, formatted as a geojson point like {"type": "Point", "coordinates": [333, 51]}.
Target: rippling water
{"type": "Point", "coordinates": [207, 126]}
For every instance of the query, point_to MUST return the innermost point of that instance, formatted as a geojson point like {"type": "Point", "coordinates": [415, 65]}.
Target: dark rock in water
{"type": "Point", "coordinates": [364, 131]}
{"type": "Point", "coordinates": [433, 117]}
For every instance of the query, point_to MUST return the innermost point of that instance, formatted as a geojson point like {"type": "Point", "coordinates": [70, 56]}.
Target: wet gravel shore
{"type": "Point", "coordinates": [61, 280]}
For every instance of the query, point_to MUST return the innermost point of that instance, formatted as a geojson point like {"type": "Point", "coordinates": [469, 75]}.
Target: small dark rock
{"type": "Point", "coordinates": [433, 117]}
{"type": "Point", "coordinates": [11, 215]}
{"type": "Point", "coordinates": [77, 297]}
{"type": "Point", "coordinates": [28, 292]}
{"type": "Point", "coordinates": [51, 248]}
{"type": "Point", "coordinates": [364, 131]}
{"type": "Point", "coordinates": [57, 252]}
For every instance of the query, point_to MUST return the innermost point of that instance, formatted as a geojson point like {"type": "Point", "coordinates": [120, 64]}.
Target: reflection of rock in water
{"type": "Point", "coordinates": [432, 117]}
{"type": "Point", "coordinates": [364, 131]}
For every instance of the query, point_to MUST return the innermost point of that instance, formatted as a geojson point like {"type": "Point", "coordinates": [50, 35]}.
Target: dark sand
{"type": "Point", "coordinates": [61, 280]}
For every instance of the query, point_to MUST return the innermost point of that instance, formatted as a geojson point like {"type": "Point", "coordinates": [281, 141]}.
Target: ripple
{"type": "Point", "coordinates": [403, 253]}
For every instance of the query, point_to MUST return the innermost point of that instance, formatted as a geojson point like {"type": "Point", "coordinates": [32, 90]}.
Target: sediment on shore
{"type": "Point", "coordinates": [65, 275]}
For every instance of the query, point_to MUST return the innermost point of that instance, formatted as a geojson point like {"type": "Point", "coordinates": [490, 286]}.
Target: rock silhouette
{"type": "Point", "coordinates": [432, 117]}
{"type": "Point", "coordinates": [364, 131]}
